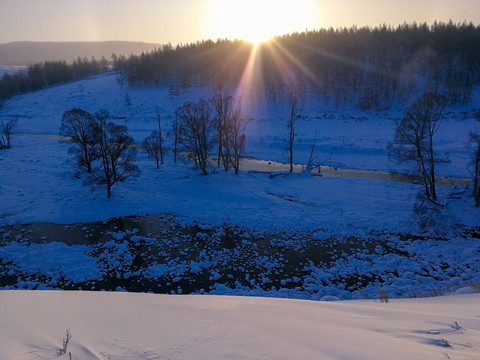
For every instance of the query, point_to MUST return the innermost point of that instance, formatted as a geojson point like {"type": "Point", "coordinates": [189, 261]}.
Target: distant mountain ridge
{"type": "Point", "coordinates": [23, 53]}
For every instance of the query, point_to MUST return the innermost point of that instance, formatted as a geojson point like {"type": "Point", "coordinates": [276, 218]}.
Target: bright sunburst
{"type": "Point", "coordinates": [259, 20]}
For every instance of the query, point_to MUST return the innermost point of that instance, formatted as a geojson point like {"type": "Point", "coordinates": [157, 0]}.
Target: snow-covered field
{"type": "Point", "coordinates": [146, 326]}
{"type": "Point", "coordinates": [355, 139]}
{"type": "Point", "coordinates": [293, 236]}
{"type": "Point", "coordinates": [37, 182]}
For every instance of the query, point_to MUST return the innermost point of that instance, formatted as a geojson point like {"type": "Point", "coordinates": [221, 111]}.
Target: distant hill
{"type": "Point", "coordinates": [27, 52]}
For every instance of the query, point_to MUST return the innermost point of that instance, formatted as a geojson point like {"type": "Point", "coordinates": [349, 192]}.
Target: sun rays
{"type": "Point", "coordinates": [271, 57]}
{"type": "Point", "coordinates": [257, 21]}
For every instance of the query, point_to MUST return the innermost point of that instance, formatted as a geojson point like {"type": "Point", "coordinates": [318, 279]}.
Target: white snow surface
{"type": "Point", "coordinates": [147, 326]}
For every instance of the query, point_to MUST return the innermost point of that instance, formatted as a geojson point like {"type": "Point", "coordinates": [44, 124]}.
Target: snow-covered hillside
{"type": "Point", "coordinates": [146, 326]}
{"type": "Point", "coordinates": [37, 183]}
{"type": "Point", "coordinates": [353, 138]}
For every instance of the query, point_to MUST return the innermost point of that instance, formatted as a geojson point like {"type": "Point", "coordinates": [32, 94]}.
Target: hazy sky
{"type": "Point", "coordinates": [183, 21]}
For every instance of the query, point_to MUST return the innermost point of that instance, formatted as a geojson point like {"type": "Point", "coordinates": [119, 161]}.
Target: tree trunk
{"type": "Point", "coordinates": [476, 190]}
{"type": "Point", "coordinates": [291, 158]}
{"type": "Point", "coordinates": [433, 190]}
{"type": "Point", "coordinates": [175, 151]}
{"type": "Point", "coordinates": [421, 165]}
{"type": "Point", "coordinates": [219, 148]}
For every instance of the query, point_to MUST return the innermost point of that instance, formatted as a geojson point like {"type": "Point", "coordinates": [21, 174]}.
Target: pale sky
{"type": "Point", "coordinates": [185, 21]}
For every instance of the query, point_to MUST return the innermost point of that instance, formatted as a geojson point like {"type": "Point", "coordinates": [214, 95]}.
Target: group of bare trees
{"type": "Point", "coordinates": [105, 151]}
{"type": "Point", "coordinates": [200, 126]}
{"type": "Point", "coordinates": [102, 149]}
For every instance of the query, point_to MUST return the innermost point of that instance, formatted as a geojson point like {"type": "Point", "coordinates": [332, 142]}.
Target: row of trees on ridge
{"type": "Point", "coordinates": [367, 67]}
{"type": "Point", "coordinates": [38, 76]}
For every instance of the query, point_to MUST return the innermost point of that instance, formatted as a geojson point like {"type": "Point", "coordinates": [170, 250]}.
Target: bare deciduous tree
{"type": "Point", "coordinates": [78, 127]}
{"type": "Point", "coordinates": [153, 146]}
{"type": "Point", "coordinates": [475, 139]}
{"type": "Point", "coordinates": [195, 129]}
{"type": "Point", "coordinates": [176, 134]}
{"type": "Point", "coordinates": [154, 143]}
{"type": "Point", "coordinates": [6, 131]}
{"type": "Point", "coordinates": [115, 150]}
{"type": "Point", "coordinates": [414, 138]}
{"type": "Point", "coordinates": [229, 127]}
{"type": "Point", "coordinates": [222, 105]}
{"type": "Point", "coordinates": [234, 137]}
{"type": "Point", "coordinates": [296, 98]}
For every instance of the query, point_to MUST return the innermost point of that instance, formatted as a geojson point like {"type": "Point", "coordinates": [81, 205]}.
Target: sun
{"type": "Point", "coordinates": [257, 21]}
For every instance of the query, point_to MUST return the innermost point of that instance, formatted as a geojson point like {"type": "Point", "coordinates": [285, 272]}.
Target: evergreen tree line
{"type": "Point", "coordinates": [38, 76]}
{"type": "Point", "coordinates": [367, 67]}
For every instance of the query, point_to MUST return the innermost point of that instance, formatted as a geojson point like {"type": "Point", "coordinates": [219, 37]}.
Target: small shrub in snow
{"type": "Point", "coordinates": [6, 130]}
{"type": "Point", "coordinates": [445, 343]}
{"type": "Point", "coordinates": [382, 295]}
{"type": "Point", "coordinates": [66, 340]}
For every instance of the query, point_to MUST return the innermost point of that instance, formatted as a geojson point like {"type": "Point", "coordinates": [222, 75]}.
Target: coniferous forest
{"type": "Point", "coordinates": [370, 68]}
{"type": "Point", "coordinates": [366, 67]}
{"type": "Point", "coordinates": [49, 73]}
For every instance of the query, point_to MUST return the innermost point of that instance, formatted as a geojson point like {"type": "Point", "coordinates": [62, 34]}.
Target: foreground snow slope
{"type": "Point", "coordinates": [146, 326]}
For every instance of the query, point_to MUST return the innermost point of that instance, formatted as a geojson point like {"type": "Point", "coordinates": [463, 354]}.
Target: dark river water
{"type": "Point", "coordinates": [190, 254]}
